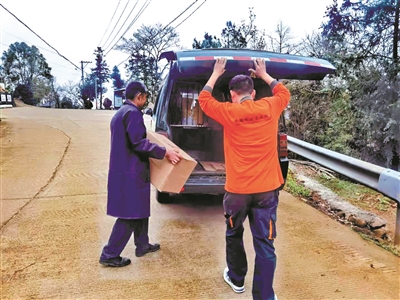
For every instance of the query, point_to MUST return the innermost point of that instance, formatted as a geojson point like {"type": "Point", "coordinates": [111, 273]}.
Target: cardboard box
{"type": "Point", "coordinates": [213, 166]}
{"type": "Point", "coordinates": [164, 176]}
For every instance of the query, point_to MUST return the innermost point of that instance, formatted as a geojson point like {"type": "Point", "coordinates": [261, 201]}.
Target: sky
{"type": "Point", "coordinates": [75, 28]}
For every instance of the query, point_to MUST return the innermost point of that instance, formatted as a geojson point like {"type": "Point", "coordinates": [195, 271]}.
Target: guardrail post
{"type": "Point", "coordinates": [389, 185]}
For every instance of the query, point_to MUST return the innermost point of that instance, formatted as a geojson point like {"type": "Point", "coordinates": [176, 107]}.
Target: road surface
{"type": "Point", "coordinates": [53, 198]}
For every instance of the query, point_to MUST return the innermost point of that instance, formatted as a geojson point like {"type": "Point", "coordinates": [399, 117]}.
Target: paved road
{"type": "Point", "coordinates": [53, 196]}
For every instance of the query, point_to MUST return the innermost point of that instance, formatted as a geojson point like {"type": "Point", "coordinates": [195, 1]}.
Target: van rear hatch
{"type": "Point", "coordinates": [200, 63]}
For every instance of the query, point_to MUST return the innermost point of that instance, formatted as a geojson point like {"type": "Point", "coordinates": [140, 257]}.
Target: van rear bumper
{"type": "Point", "coordinates": [205, 184]}
{"type": "Point", "coordinates": [211, 184]}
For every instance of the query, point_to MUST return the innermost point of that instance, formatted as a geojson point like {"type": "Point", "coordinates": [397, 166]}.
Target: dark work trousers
{"type": "Point", "coordinates": [122, 232]}
{"type": "Point", "coordinates": [261, 209]}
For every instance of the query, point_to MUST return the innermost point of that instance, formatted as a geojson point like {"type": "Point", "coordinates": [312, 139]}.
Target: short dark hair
{"type": "Point", "coordinates": [241, 84]}
{"type": "Point", "coordinates": [133, 89]}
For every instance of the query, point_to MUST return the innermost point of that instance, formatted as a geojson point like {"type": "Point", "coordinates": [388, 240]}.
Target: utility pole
{"type": "Point", "coordinates": [95, 90]}
{"type": "Point", "coordinates": [82, 62]}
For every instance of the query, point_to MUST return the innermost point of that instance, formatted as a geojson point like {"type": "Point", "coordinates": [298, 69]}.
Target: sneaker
{"type": "Point", "coordinates": [235, 288]}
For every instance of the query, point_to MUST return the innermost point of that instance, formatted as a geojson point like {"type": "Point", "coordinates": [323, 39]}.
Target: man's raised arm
{"type": "Point", "coordinates": [281, 93]}
{"type": "Point", "coordinates": [210, 106]}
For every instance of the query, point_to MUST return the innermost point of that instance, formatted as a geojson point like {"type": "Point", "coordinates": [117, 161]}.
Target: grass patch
{"type": "Point", "coordinates": [388, 247]}
{"type": "Point", "coordinates": [355, 193]}
{"type": "Point", "coordinates": [295, 188]}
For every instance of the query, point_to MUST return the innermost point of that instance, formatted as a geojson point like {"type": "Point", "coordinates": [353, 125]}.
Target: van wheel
{"type": "Point", "coordinates": [163, 197]}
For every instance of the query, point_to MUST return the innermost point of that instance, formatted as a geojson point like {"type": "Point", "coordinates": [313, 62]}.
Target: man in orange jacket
{"type": "Point", "coordinates": [253, 174]}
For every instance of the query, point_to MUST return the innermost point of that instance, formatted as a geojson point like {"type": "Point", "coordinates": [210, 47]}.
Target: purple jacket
{"type": "Point", "coordinates": [129, 171]}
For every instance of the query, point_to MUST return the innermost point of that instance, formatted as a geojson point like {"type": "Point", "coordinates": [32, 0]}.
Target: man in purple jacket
{"type": "Point", "coordinates": [129, 178]}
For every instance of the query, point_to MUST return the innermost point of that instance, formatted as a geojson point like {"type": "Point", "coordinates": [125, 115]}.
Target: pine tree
{"type": "Point", "coordinates": [101, 73]}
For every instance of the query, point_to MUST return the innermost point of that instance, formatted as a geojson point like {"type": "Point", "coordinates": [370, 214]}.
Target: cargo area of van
{"type": "Point", "coordinates": [198, 135]}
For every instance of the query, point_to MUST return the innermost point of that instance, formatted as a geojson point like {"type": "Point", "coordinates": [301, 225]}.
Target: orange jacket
{"type": "Point", "coordinates": [250, 140]}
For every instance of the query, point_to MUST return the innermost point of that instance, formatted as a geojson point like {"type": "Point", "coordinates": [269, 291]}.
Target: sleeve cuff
{"type": "Point", "coordinates": [208, 89]}
{"type": "Point", "coordinates": [164, 151]}
{"type": "Point", "coordinates": [273, 84]}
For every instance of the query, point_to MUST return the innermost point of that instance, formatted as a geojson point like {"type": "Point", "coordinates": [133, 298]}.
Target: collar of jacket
{"type": "Point", "coordinates": [130, 103]}
{"type": "Point", "coordinates": [245, 98]}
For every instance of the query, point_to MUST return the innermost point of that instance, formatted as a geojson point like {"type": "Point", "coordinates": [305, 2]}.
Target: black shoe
{"type": "Point", "coordinates": [115, 262]}
{"type": "Point", "coordinates": [149, 248]}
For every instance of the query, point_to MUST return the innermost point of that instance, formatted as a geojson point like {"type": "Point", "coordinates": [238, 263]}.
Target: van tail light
{"type": "Point", "coordinates": [282, 145]}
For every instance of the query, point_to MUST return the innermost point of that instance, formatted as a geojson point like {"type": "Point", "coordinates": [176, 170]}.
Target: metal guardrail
{"type": "Point", "coordinates": [385, 181]}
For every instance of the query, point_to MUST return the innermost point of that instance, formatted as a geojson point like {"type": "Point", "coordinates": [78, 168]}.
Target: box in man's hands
{"type": "Point", "coordinates": [164, 176]}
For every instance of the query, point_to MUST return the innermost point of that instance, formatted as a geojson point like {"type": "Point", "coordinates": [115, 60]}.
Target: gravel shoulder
{"type": "Point", "coordinates": [360, 208]}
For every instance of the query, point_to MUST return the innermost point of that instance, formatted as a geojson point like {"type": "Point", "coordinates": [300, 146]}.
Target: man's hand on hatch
{"type": "Point", "coordinates": [219, 67]}
{"type": "Point", "coordinates": [260, 70]}
{"type": "Point", "coordinates": [173, 156]}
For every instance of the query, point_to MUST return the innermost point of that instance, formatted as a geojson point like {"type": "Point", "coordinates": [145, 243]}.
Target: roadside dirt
{"type": "Point", "coordinates": [368, 201]}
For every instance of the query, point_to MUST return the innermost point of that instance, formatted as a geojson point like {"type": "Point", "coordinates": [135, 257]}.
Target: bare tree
{"type": "Point", "coordinates": [145, 48]}
{"type": "Point", "coordinates": [71, 92]}
{"type": "Point", "coordinates": [314, 45]}
{"type": "Point", "coordinates": [281, 40]}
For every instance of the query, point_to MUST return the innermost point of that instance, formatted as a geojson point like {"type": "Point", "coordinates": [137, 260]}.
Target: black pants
{"type": "Point", "coordinates": [121, 233]}
{"type": "Point", "coordinates": [261, 209]}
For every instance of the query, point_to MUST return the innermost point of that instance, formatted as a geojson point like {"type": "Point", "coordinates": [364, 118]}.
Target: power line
{"type": "Point", "coordinates": [25, 40]}
{"type": "Point", "coordinates": [33, 44]}
{"type": "Point", "coordinates": [112, 18]}
{"type": "Point", "coordinates": [190, 14]}
{"type": "Point", "coordinates": [64, 66]}
{"type": "Point", "coordinates": [124, 22]}
{"type": "Point", "coordinates": [39, 36]}
{"type": "Point", "coordinates": [168, 31]}
{"type": "Point", "coordinates": [180, 14]}
{"type": "Point", "coordinates": [135, 19]}
{"type": "Point", "coordinates": [142, 9]}
{"type": "Point", "coordinates": [52, 63]}
{"type": "Point", "coordinates": [65, 70]}
{"type": "Point", "coordinates": [116, 24]}
{"type": "Point", "coordinates": [123, 26]}
{"type": "Point", "coordinates": [123, 61]}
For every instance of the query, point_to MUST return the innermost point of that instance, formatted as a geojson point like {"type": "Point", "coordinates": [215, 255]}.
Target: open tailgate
{"type": "Point", "coordinates": [280, 66]}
